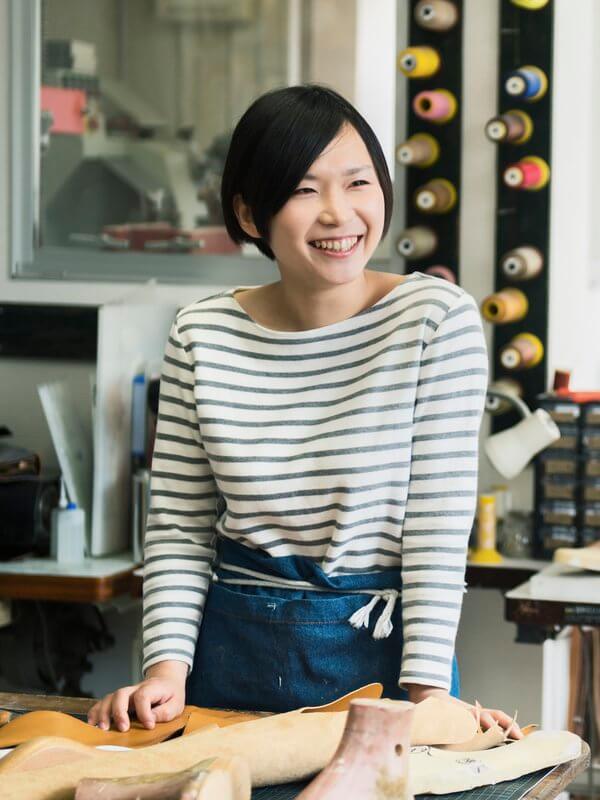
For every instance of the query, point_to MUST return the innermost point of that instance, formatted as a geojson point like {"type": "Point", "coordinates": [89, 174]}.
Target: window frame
{"type": "Point", "coordinates": [30, 261]}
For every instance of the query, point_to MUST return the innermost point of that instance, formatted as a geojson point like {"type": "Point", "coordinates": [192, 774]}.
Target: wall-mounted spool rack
{"type": "Point", "coordinates": [448, 77]}
{"type": "Point", "coordinates": [523, 217]}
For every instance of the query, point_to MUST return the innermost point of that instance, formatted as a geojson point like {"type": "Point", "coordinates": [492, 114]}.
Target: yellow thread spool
{"type": "Point", "coordinates": [419, 62]}
{"type": "Point", "coordinates": [437, 196]}
{"type": "Point", "coordinates": [421, 150]}
{"type": "Point", "coordinates": [530, 5]}
{"type": "Point", "coordinates": [485, 552]}
{"type": "Point", "coordinates": [507, 305]}
{"type": "Point", "coordinates": [523, 352]}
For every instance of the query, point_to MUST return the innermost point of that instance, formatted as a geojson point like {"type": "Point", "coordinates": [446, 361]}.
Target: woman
{"type": "Point", "coordinates": [315, 468]}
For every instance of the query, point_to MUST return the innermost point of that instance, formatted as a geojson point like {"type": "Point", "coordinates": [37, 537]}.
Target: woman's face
{"type": "Point", "coordinates": [327, 231]}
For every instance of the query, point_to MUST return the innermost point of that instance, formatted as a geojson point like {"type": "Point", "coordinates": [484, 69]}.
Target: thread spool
{"type": "Point", "coordinates": [512, 127]}
{"type": "Point", "coordinates": [436, 15]}
{"type": "Point", "coordinates": [522, 263]}
{"type": "Point", "coordinates": [485, 551]}
{"type": "Point", "coordinates": [419, 62]}
{"type": "Point", "coordinates": [527, 83]}
{"type": "Point", "coordinates": [496, 405]}
{"type": "Point", "coordinates": [417, 242]}
{"type": "Point", "coordinates": [437, 196]}
{"type": "Point", "coordinates": [530, 174]}
{"type": "Point", "coordinates": [530, 5]}
{"type": "Point", "coordinates": [440, 271]}
{"type": "Point", "coordinates": [524, 351]}
{"type": "Point", "coordinates": [507, 305]}
{"type": "Point", "coordinates": [421, 150]}
{"type": "Point", "coordinates": [437, 106]}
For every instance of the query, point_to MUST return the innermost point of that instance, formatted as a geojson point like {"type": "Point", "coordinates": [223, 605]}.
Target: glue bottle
{"type": "Point", "coordinates": [67, 530]}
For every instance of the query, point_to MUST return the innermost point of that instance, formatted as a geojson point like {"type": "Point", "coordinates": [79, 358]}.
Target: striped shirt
{"type": "Point", "coordinates": [354, 444]}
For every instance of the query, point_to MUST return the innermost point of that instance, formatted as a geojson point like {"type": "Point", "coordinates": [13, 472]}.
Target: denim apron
{"type": "Point", "coordinates": [276, 648]}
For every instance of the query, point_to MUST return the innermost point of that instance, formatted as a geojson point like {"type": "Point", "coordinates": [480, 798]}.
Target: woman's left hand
{"type": "Point", "coordinates": [486, 717]}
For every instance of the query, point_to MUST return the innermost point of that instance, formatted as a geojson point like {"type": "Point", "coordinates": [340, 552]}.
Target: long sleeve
{"type": "Point", "coordinates": [179, 546]}
{"type": "Point", "coordinates": [442, 492]}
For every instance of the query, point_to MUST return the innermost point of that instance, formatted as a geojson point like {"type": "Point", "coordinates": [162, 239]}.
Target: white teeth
{"type": "Point", "coordinates": [337, 245]}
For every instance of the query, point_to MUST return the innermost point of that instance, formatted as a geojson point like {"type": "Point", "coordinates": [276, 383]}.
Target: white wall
{"type": "Point", "coordinates": [573, 341]}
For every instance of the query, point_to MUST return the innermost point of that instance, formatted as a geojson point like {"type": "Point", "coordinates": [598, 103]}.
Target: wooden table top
{"type": "Point", "coordinates": [94, 580]}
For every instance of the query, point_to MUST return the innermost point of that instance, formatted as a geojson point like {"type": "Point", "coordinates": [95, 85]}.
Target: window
{"type": "Point", "coordinates": [123, 110]}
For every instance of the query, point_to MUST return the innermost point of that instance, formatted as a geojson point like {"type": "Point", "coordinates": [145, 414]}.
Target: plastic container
{"type": "Point", "coordinates": [67, 534]}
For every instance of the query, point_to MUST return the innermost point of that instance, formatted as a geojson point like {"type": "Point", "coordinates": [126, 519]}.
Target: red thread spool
{"type": "Point", "coordinates": [531, 173]}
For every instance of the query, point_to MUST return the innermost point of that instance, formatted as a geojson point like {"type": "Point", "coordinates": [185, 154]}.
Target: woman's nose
{"type": "Point", "coordinates": [336, 209]}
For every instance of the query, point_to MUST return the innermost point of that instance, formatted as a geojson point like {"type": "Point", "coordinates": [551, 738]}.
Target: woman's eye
{"type": "Point", "coordinates": [360, 182]}
{"type": "Point", "coordinates": [303, 190]}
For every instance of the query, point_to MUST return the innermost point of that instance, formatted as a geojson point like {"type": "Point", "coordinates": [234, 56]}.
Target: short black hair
{"type": "Point", "coordinates": [273, 145]}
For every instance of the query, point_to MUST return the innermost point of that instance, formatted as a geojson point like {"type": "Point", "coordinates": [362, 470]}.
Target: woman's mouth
{"type": "Point", "coordinates": [337, 248]}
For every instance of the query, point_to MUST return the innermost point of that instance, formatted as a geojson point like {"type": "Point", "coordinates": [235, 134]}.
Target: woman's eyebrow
{"type": "Point", "coordinates": [352, 171]}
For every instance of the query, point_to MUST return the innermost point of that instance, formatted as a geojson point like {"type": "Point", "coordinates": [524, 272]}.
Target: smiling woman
{"type": "Point", "coordinates": [314, 476]}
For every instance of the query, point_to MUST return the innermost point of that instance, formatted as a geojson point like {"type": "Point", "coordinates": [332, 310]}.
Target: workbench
{"type": "Point", "coordinates": [549, 787]}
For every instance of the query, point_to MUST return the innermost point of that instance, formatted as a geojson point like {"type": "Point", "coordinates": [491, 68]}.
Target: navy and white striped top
{"type": "Point", "coordinates": [354, 444]}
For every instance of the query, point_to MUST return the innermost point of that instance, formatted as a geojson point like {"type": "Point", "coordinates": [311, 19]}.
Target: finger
{"type": "Point", "coordinates": [93, 712]}
{"type": "Point", "coordinates": [165, 712]}
{"type": "Point", "coordinates": [103, 715]}
{"type": "Point", "coordinates": [487, 721]}
{"type": "Point", "coordinates": [478, 713]}
{"type": "Point", "coordinates": [120, 706]}
{"type": "Point", "coordinates": [508, 723]}
{"type": "Point", "coordinates": [142, 700]}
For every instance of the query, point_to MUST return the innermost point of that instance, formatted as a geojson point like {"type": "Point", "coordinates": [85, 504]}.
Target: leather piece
{"type": "Point", "coordinates": [280, 749]}
{"type": "Point", "coordinates": [45, 751]}
{"type": "Point", "coordinates": [435, 771]}
{"type": "Point", "coordinates": [200, 717]}
{"type": "Point", "coordinates": [203, 717]}
{"type": "Point", "coordinates": [372, 691]}
{"type": "Point", "coordinates": [54, 723]}
{"type": "Point", "coordinates": [587, 558]}
{"type": "Point", "coordinates": [485, 740]}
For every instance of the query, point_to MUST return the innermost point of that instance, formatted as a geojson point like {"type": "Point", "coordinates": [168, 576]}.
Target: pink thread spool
{"type": "Point", "coordinates": [531, 173]}
{"type": "Point", "coordinates": [440, 271]}
{"type": "Point", "coordinates": [437, 106]}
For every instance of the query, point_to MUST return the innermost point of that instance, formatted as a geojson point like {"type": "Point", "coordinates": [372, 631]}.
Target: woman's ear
{"type": "Point", "coordinates": [244, 217]}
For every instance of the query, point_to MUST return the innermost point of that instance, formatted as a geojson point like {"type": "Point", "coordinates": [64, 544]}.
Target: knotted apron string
{"type": "Point", "coordinates": [360, 618]}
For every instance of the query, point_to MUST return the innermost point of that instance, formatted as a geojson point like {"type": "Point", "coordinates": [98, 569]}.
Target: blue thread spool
{"type": "Point", "coordinates": [526, 83]}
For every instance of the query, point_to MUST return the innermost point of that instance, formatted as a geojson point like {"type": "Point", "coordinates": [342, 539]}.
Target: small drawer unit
{"type": "Point", "coordinates": [554, 536]}
{"type": "Point", "coordinates": [567, 475]}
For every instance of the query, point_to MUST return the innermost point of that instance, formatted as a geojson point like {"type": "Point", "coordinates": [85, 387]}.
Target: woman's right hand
{"type": "Point", "coordinates": [160, 697]}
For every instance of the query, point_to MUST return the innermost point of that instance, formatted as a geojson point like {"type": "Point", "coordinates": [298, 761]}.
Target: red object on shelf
{"type": "Point", "coordinates": [67, 107]}
{"type": "Point", "coordinates": [162, 237]}
{"type": "Point", "coordinates": [579, 397]}
{"type": "Point", "coordinates": [562, 379]}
